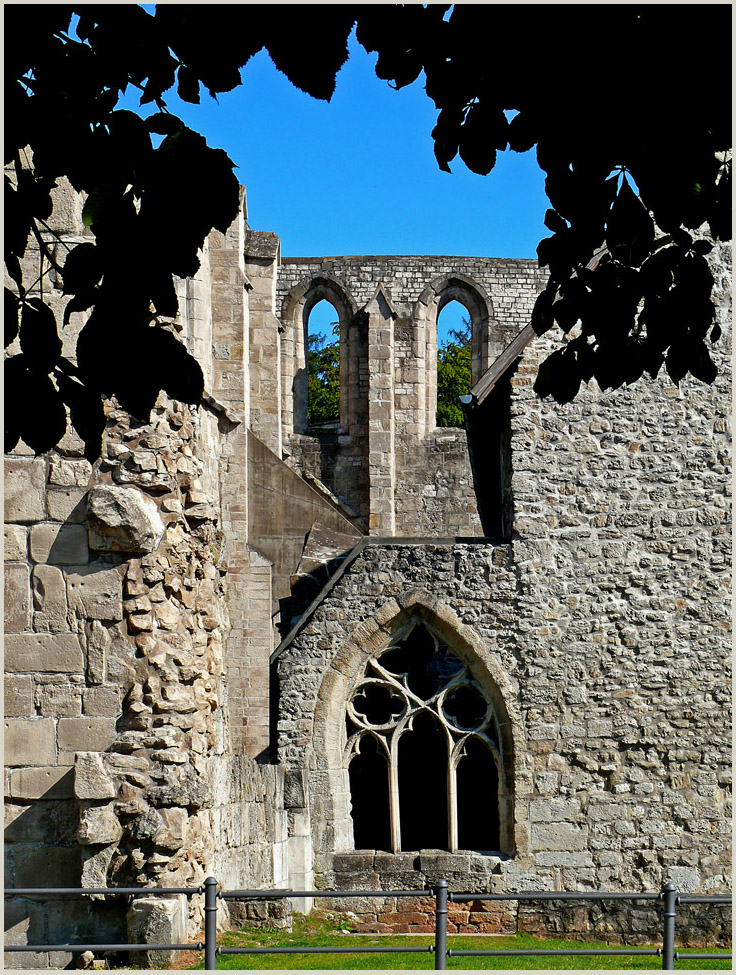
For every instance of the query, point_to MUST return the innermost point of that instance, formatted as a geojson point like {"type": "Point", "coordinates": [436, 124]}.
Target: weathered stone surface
{"type": "Point", "coordinates": [49, 866]}
{"type": "Point", "coordinates": [41, 783]}
{"type": "Point", "coordinates": [85, 734]}
{"type": "Point", "coordinates": [67, 504]}
{"type": "Point", "coordinates": [24, 490]}
{"type": "Point", "coordinates": [19, 695]}
{"type": "Point", "coordinates": [102, 701]}
{"type": "Point", "coordinates": [44, 652]}
{"type": "Point", "coordinates": [15, 543]}
{"type": "Point", "coordinates": [17, 598]}
{"type": "Point", "coordinates": [122, 519]}
{"type": "Point", "coordinates": [95, 864]}
{"type": "Point", "coordinates": [157, 920]}
{"type": "Point", "coordinates": [70, 473]}
{"type": "Point", "coordinates": [91, 780]}
{"type": "Point", "coordinates": [59, 544]}
{"type": "Point", "coordinates": [59, 698]}
{"type": "Point", "coordinates": [30, 741]}
{"type": "Point", "coordinates": [98, 825]}
{"type": "Point", "coordinates": [49, 599]}
{"type": "Point", "coordinates": [95, 592]}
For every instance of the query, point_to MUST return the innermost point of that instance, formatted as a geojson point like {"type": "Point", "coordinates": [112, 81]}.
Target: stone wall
{"type": "Point", "coordinates": [141, 592]}
{"type": "Point", "coordinates": [123, 763]}
{"type": "Point", "coordinates": [387, 461]}
{"type": "Point", "coordinates": [605, 624]}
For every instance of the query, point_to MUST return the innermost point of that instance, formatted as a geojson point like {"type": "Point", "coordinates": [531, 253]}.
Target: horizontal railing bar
{"type": "Point", "coordinates": [709, 899]}
{"type": "Point", "coordinates": [553, 895]}
{"type": "Point", "coordinates": [702, 955]}
{"type": "Point", "coordinates": [554, 951]}
{"type": "Point", "coordinates": [199, 946]}
{"type": "Point", "coordinates": [275, 894]}
{"type": "Point", "coordinates": [322, 951]}
{"type": "Point", "coordinates": [82, 891]}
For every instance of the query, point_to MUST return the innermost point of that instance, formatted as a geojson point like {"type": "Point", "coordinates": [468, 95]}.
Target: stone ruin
{"type": "Point", "coordinates": [375, 653]}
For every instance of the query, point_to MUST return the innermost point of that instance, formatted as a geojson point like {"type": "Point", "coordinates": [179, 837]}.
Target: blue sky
{"type": "Point", "coordinates": [358, 175]}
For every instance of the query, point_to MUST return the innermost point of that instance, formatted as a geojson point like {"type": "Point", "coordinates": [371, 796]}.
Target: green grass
{"type": "Point", "coordinates": [324, 931]}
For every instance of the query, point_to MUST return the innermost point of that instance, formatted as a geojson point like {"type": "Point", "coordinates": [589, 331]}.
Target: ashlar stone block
{"type": "Point", "coordinates": [30, 741]}
{"type": "Point", "coordinates": [85, 734]}
{"type": "Point", "coordinates": [18, 700]}
{"type": "Point", "coordinates": [24, 490]}
{"type": "Point", "coordinates": [59, 544]}
{"type": "Point", "coordinates": [58, 699]}
{"type": "Point", "coordinates": [17, 598]}
{"type": "Point", "coordinates": [52, 782]}
{"type": "Point", "coordinates": [49, 599]}
{"type": "Point", "coordinates": [56, 653]}
{"type": "Point", "coordinates": [95, 591]}
{"type": "Point", "coordinates": [157, 920]}
{"type": "Point", "coordinates": [15, 544]}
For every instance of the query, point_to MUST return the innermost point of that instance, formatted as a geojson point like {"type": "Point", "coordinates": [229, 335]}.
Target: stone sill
{"type": "Point", "coordinates": [422, 861]}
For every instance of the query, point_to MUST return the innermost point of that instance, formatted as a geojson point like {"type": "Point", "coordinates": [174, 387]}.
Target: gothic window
{"type": "Point", "coordinates": [454, 362]}
{"type": "Point", "coordinates": [424, 752]}
{"type": "Point", "coordinates": [323, 365]}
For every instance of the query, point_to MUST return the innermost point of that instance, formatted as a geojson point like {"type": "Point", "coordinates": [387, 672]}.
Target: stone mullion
{"type": "Point", "coordinates": [393, 794]}
{"type": "Point", "coordinates": [381, 460]}
{"type": "Point", "coordinates": [452, 806]}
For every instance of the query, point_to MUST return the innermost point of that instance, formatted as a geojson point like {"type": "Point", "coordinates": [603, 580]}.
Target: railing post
{"type": "Point", "coordinates": [210, 924]}
{"type": "Point", "coordinates": [669, 893]}
{"type": "Point", "coordinates": [440, 925]}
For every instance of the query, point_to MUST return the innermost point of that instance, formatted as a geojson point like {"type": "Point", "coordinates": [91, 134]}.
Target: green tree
{"type": "Point", "coordinates": [453, 376]}
{"type": "Point", "coordinates": [631, 126]}
{"type": "Point", "coordinates": [323, 379]}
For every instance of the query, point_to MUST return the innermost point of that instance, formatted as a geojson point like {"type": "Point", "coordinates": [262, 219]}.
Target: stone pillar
{"type": "Point", "coordinates": [248, 654]}
{"type": "Point", "coordinates": [262, 256]}
{"type": "Point", "coordinates": [381, 459]}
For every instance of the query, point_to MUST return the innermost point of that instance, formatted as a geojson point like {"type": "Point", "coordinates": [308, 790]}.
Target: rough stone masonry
{"type": "Point", "coordinates": [192, 621]}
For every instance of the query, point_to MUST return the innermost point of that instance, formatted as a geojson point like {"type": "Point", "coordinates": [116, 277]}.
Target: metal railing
{"type": "Point", "coordinates": [442, 897]}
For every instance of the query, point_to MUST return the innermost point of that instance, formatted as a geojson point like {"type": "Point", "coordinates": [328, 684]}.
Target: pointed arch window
{"type": "Point", "coordinates": [424, 752]}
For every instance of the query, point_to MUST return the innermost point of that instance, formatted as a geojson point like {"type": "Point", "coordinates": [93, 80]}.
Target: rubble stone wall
{"type": "Point", "coordinates": [608, 616]}
{"type": "Point", "coordinates": [122, 765]}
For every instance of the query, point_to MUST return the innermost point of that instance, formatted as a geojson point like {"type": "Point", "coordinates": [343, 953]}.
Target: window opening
{"type": "Point", "coordinates": [422, 761]}
{"type": "Point", "coordinates": [454, 362]}
{"type": "Point", "coordinates": [323, 365]}
{"type": "Point", "coordinates": [478, 826]}
{"type": "Point", "coordinates": [424, 753]}
{"type": "Point", "coordinates": [369, 790]}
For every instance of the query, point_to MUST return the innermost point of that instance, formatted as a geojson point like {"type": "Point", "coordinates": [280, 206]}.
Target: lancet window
{"type": "Point", "coordinates": [424, 751]}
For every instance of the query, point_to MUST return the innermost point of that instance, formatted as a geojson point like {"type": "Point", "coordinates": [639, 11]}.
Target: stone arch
{"type": "Point", "coordinates": [295, 311]}
{"type": "Point", "coordinates": [486, 335]}
{"type": "Point", "coordinates": [328, 762]}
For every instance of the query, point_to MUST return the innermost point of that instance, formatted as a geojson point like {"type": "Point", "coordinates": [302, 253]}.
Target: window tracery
{"type": "Point", "coordinates": [424, 751]}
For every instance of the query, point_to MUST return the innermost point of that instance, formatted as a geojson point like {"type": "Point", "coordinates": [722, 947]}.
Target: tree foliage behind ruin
{"type": "Point", "coordinates": [628, 108]}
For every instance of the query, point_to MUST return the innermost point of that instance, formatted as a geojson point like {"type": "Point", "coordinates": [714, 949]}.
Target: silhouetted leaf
{"type": "Point", "coordinates": [164, 123]}
{"type": "Point", "coordinates": [629, 229]}
{"type": "Point", "coordinates": [11, 311]}
{"type": "Point", "coordinates": [523, 132]}
{"type": "Point", "coordinates": [86, 413]}
{"type": "Point", "coordinates": [80, 302]}
{"type": "Point", "coordinates": [558, 377]}
{"type": "Point", "coordinates": [42, 421]}
{"type": "Point", "coordinates": [39, 338]}
{"type": "Point", "coordinates": [542, 315]}
{"type": "Point", "coordinates": [82, 270]}
{"type": "Point", "coordinates": [188, 85]}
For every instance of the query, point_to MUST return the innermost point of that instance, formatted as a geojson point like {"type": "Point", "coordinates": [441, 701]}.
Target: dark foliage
{"type": "Point", "coordinates": [628, 107]}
